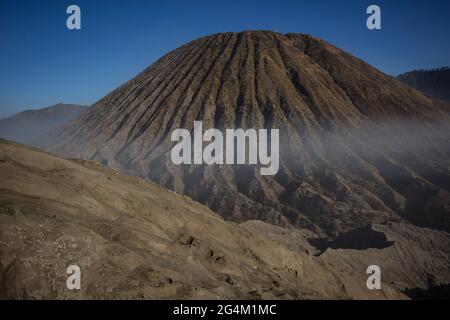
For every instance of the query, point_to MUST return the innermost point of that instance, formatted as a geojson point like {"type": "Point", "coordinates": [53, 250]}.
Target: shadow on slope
{"type": "Point", "coordinates": [358, 239]}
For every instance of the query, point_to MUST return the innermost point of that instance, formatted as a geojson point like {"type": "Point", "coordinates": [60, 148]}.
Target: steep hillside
{"type": "Point", "coordinates": [134, 239]}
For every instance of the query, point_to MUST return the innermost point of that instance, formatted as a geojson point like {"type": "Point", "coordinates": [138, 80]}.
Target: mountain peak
{"type": "Point", "coordinates": [351, 137]}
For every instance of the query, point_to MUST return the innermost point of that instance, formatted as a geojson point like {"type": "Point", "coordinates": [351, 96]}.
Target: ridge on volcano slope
{"type": "Point", "coordinates": [356, 146]}
{"type": "Point", "coordinates": [134, 239]}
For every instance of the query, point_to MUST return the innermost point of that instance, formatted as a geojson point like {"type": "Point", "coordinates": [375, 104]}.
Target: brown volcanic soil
{"type": "Point", "coordinates": [357, 146]}
{"type": "Point", "coordinates": [134, 239]}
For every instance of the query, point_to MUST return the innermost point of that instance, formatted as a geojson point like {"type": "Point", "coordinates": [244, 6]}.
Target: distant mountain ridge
{"type": "Point", "coordinates": [433, 82]}
{"type": "Point", "coordinates": [29, 124]}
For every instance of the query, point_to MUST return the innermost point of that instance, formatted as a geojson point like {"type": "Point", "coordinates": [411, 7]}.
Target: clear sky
{"type": "Point", "coordinates": [43, 63]}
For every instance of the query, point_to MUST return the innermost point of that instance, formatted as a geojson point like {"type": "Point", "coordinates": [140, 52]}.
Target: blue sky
{"type": "Point", "coordinates": [43, 63]}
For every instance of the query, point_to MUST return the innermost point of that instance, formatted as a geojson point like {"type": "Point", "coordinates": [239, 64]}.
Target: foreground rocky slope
{"type": "Point", "coordinates": [357, 146]}
{"type": "Point", "coordinates": [133, 239]}
{"type": "Point", "coordinates": [26, 126]}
